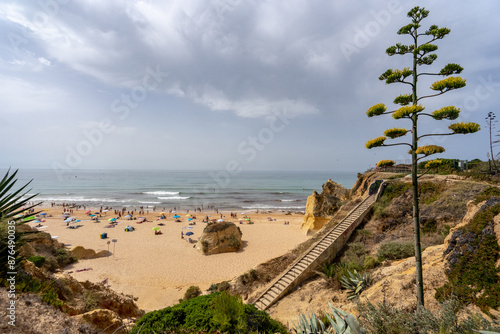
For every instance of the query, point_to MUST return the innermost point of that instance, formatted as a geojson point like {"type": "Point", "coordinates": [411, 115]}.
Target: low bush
{"type": "Point", "coordinates": [37, 260]}
{"type": "Point", "coordinates": [204, 313]}
{"type": "Point", "coordinates": [385, 319]}
{"type": "Point", "coordinates": [472, 257]}
{"type": "Point", "coordinates": [191, 292]}
{"type": "Point", "coordinates": [396, 250]}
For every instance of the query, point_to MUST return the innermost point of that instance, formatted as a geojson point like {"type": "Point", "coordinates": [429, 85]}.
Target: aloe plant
{"type": "Point", "coordinates": [339, 322]}
{"type": "Point", "coordinates": [355, 283]}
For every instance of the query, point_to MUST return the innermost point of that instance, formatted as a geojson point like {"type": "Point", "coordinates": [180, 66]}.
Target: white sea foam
{"type": "Point", "coordinates": [161, 192]}
{"type": "Point", "coordinates": [175, 197]}
{"type": "Point", "coordinates": [289, 200]}
{"type": "Point", "coordinates": [83, 199]}
{"type": "Point", "coordinates": [149, 202]}
{"type": "Point", "coordinates": [269, 207]}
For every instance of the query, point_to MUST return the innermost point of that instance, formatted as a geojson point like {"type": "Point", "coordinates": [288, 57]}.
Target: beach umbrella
{"type": "Point", "coordinates": [97, 213]}
{"type": "Point", "coordinates": [220, 220]}
{"type": "Point", "coordinates": [87, 212]}
{"type": "Point", "coordinates": [18, 216]}
{"type": "Point", "coordinates": [188, 215]}
{"type": "Point", "coordinates": [156, 228]}
{"type": "Point", "coordinates": [91, 215]}
{"type": "Point", "coordinates": [77, 221]}
{"type": "Point", "coordinates": [66, 213]}
{"type": "Point", "coordinates": [189, 233]}
{"type": "Point", "coordinates": [67, 220]}
{"type": "Point", "coordinates": [36, 221]}
{"type": "Point", "coordinates": [128, 216]}
{"type": "Point", "coordinates": [174, 211]}
{"type": "Point", "coordinates": [112, 219]}
{"type": "Point", "coordinates": [176, 216]}
{"type": "Point", "coordinates": [43, 214]}
{"type": "Point", "coordinates": [247, 219]}
{"type": "Point", "coordinates": [190, 219]}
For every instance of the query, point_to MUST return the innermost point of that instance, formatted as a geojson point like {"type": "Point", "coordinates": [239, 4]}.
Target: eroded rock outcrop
{"type": "Point", "coordinates": [83, 253]}
{"type": "Point", "coordinates": [321, 207]}
{"type": "Point", "coordinates": [220, 238]}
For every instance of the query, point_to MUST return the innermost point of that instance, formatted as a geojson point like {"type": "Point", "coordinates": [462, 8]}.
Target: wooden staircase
{"type": "Point", "coordinates": [324, 249]}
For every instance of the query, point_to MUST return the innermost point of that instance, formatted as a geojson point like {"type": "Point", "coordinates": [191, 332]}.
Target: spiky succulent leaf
{"type": "Point", "coordinates": [385, 163]}
{"type": "Point", "coordinates": [464, 127]}
{"type": "Point", "coordinates": [375, 142]}
{"type": "Point", "coordinates": [450, 69]}
{"type": "Point", "coordinates": [448, 84]}
{"type": "Point", "coordinates": [404, 99]}
{"type": "Point", "coordinates": [449, 112]}
{"type": "Point", "coordinates": [407, 111]}
{"type": "Point", "coordinates": [408, 29]}
{"type": "Point", "coordinates": [395, 132]}
{"type": "Point", "coordinates": [376, 110]}
{"type": "Point", "coordinates": [429, 150]}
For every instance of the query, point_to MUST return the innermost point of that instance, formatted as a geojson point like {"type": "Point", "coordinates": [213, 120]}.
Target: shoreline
{"type": "Point", "coordinates": [159, 268]}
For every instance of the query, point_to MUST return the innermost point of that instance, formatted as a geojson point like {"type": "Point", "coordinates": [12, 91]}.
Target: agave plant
{"type": "Point", "coordinates": [11, 205]}
{"type": "Point", "coordinates": [339, 322]}
{"type": "Point", "coordinates": [355, 283]}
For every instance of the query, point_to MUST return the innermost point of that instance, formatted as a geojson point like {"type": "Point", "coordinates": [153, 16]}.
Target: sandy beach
{"type": "Point", "coordinates": [159, 268]}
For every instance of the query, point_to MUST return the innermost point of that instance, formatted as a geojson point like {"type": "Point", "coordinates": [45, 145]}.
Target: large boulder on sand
{"type": "Point", "coordinates": [321, 207]}
{"type": "Point", "coordinates": [220, 238]}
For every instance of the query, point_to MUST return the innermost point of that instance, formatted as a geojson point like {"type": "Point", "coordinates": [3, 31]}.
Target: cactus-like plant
{"type": "Point", "coordinates": [339, 322]}
{"type": "Point", "coordinates": [355, 283]}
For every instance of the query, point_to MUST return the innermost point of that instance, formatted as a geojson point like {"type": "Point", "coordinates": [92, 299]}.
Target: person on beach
{"type": "Point", "coordinates": [182, 235]}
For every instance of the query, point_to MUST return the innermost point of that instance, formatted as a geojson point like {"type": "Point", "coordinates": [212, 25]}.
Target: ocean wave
{"type": "Point", "coordinates": [289, 200]}
{"type": "Point", "coordinates": [273, 207]}
{"type": "Point", "coordinates": [175, 197]}
{"type": "Point", "coordinates": [83, 199]}
{"type": "Point", "coordinates": [149, 202]}
{"type": "Point", "coordinates": [160, 192]}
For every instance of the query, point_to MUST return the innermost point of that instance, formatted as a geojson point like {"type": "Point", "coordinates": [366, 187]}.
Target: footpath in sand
{"type": "Point", "coordinates": [159, 268]}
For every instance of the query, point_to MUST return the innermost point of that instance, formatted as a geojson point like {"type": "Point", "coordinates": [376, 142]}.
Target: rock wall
{"type": "Point", "coordinates": [321, 207]}
{"type": "Point", "coordinates": [220, 238]}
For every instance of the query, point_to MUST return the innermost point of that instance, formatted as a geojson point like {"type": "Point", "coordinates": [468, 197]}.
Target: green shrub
{"type": "Point", "coordinates": [37, 260]}
{"type": "Point", "coordinates": [385, 319]}
{"type": "Point", "coordinates": [487, 194]}
{"type": "Point", "coordinates": [473, 274]}
{"type": "Point", "coordinates": [396, 250]}
{"type": "Point", "coordinates": [197, 314]}
{"type": "Point", "coordinates": [222, 286]}
{"type": "Point", "coordinates": [63, 258]}
{"type": "Point", "coordinates": [370, 262]}
{"type": "Point", "coordinates": [91, 300]}
{"type": "Point", "coordinates": [249, 277]}
{"type": "Point", "coordinates": [192, 292]}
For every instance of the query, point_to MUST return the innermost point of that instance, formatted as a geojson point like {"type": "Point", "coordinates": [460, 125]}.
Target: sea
{"type": "Point", "coordinates": [168, 190]}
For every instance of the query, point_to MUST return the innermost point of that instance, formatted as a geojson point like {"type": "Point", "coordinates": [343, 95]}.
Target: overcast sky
{"type": "Point", "coordinates": [254, 85]}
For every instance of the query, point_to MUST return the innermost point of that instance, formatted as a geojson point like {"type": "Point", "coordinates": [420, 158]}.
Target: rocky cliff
{"type": "Point", "coordinates": [321, 207]}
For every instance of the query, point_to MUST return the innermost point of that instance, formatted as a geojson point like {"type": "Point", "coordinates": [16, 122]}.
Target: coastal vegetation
{"type": "Point", "coordinates": [218, 311]}
{"type": "Point", "coordinates": [411, 110]}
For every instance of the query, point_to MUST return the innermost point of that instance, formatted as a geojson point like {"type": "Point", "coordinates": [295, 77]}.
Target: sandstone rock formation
{"type": "Point", "coordinates": [103, 319]}
{"type": "Point", "coordinates": [220, 238]}
{"type": "Point", "coordinates": [83, 253]}
{"type": "Point", "coordinates": [321, 207]}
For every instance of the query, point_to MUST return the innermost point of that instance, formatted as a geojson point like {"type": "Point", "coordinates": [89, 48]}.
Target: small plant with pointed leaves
{"type": "Point", "coordinates": [338, 322]}
{"type": "Point", "coordinates": [355, 282]}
